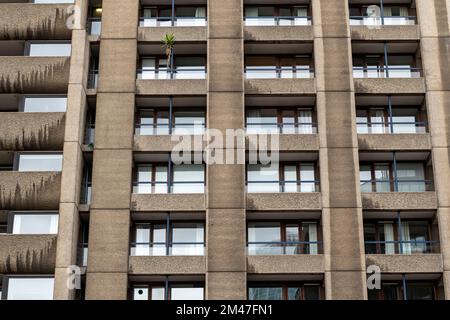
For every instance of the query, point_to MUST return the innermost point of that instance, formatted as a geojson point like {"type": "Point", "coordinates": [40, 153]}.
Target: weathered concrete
{"type": "Point", "coordinates": [171, 87]}
{"type": "Point", "coordinates": [280, 86]}
{"type": "Point", "coordinates": [284, 201]}
{"type": "Point", "coordinates": [418, 263]}
{"type": "Point", "coordinates": [286, 264]}
{"type": "Point", "coordinates": [176, 265]}
{"type": "Point", "coordinates": [400, 200]}
{"type": "Point", "coordinates": [395, 142]}
{"type": "Point", "coordinates": [278, 33]}
{"type": "Point", "coordinates": [182, 34]}
{"type": "Point", "coordinates": [393, 33]}
{"type": "Point", "coordinates": [390, 85]}
{"type": "Point", "coordinates": [168, 202]}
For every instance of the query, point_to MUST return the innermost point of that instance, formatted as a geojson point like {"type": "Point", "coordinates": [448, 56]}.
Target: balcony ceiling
{"type": "Point", "coordinates": [400, 156]}
{"type": "Point", "coordinates": [278, 48]}
{"type": "Point", "coordinates": [368, 47]}
{"type": "Point", "coordinates": [371, 100]}
{"type": "Point", "coordinates": [280, 101]}
{"type": "Point", "coordinates": [180, 48]}
{"type": "Point", "coordinates": [186, 101]}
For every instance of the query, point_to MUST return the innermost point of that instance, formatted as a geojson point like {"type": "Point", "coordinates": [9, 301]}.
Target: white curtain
{"type": "Point", "coordinates": [378, 124]}
{"type": "Point", "coordinates": [305, 122]}
{"type": "Point", "coordinates": [389, 236]}
{"type": "Point", "coordinates": [313, 248]}
{"type": "Point", "coordinates": [144, 177]}
{"type": "Point", "coordinates": [200, 12]}
{"type": "Point", "coordinates": [406, 237]}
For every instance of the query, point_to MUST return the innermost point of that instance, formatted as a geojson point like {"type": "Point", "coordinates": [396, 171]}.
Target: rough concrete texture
{"type": "Point", "coordinates": [27, 254]}
{"type": "Point", "coordinates": [419, 263]}
{"type": "Point", "coordinates": [171, 87]}
{"type": "Point", "coordinates": [106, 286]}
{"type": "Point", "coordinates": [176, 265]}
{"type": "Point", "coordinates": [395, 142]}
{"type": "Point", "coordinates": [166, 143]}
{"type": "Point", "coordinates": [280, 86]}
{"type": "Point", "coordinates": [287, 264]}
{"type": "Point", "coordinates": [345, 285]}
{"type": "Point", "coordinates": [20, 21]}
{"type": "Point", "coordinates": [390, 86]}
{"type": "Point", "coordinates": [167, 202]}
{"type": "Point", "coordinates": [32, 131]}
{"type": "Point", "coordinates": [149, 34]}
{"type": "Point", "coordinates": [29, 190]}
{"type": "Point", "coordinates": [226, 286]}
{"type": "Point", "coordinates": [222, 178]}
{"type": "Point", "coordinates": [34, 74]}
{"type": "Point", "coordinates": [278, 33]}
{"type": "Point", "coordinates": [400, 200]}
{"type": "Point", "coordinates": [392, 33]}
{"type": "Point", "coordinates": [284, 201]}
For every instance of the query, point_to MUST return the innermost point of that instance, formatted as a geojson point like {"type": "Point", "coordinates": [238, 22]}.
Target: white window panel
{"type": "Point", "coordinates": [50, 50]}
{"type": "Point", "coordinates": [40, 162]}
{"type": "Point", "coordinates": [45, 104]}
{"type": "Point", "coordinates": [186, 293]}
{"type": "Point", "coordinates": [35, 224]}
{"type": "Point", "coordinates": [30, 289]}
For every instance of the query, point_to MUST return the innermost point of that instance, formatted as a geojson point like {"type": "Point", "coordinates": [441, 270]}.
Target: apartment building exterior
{"type": "Point", "coordinates": [92, 205]}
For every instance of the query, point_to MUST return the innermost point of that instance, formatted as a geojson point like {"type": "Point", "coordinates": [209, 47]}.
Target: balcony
{"type": "Point", "coordinates": [34, 74]}
{"type": "Point", "coordinates": [26, 21]}
{"type": "Point", "coordinates": [286, 264]}
{"type": "Point", "coordinates": [174, 265]}
{"type": "Point", "coordinates": [29, 190]}
{"type": "Point", "coordinates": [27, 254]}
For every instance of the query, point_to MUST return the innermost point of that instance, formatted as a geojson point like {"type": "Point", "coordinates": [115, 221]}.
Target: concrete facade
{"type": "Point", "coordinates": [225, 207]}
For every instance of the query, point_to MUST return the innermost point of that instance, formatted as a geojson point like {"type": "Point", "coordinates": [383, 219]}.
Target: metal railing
{"type": "Point", "coordinates": [281, 128]}
{"type": "Point", "coordinates": [391, 127]}
{"type": "Point", "coordinates": [280, 186]}
{"type": "Point", "coordinates": [92, 81]}
{"type": "Point", "coordinates": [284, 248]}
{"type": "Point", "coordinates": [94, 26]}
{"type": "Point", "coordinates": [278, 21]}
{"type": "Point", "coordinates": [173, 22]}
{"type": "Point", "coordinates": [165, 129]}
{"type": "Point", "coordinates": [386, 72]}
{"type": "Point", "coordinates": [254, 72]}
{"type": "Point", "coordinates": [376, 21]}
{"type": "Point", "coordinates": [402, 247]}
{"type": "Point", "coordinates": [398, 185]}
{"type": "Point", "coordinates": [172, 73]}
{"type": "Point", "coordinates": [157, 187]}
{"type": "Point", "coordinates": [167, 249]}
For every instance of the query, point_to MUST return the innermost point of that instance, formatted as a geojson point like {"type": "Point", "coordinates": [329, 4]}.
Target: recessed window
{"type": "Point", "coordinates": [45, 104]}
{"type": "Point", "coordinates": [30, 288]}
{"type": "Point", "coordinates": [40, 162]}
{"type": "Point", "coordinates": [39, 223]}
{"type": "Point", "coordinates": [39, 49]}
{"type": "Point", "coordinates": [176, 291]}
{"type": "Point", "coordinates": [289, 291]}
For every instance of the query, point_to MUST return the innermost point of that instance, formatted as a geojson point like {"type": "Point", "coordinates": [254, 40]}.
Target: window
{"type": "Point", "coordinates": [185, 178]}
{"type": "Point", "coordinates": [176, 291]}
{"type": "Point", "coordinates": [95, 21]}
{"type": "Point", "coordinates": [35, 223]}
{"type": "Point", "coordinates": [183, 16]}
{"type": "Point", "coordinates": [395, 290]}
{"type": "Point", "coordinates": [39, 162]}
{"type": "Point", "coordinates": [391, 15]}
{"type": "Point", "coordinates": [183, 239]}
{"type": "Point", "coordinates": [388, 237]}
{"type": "Point", "coordinates": [275, 238]}
{"type": "Point", "coordinates": [30, 288]}
{"type": "Point", "coordinates": [277, 15]}
{"type": "Point", "coordinates": [38, 49]}
{"type": "Point", "coordinates": [270, 67]}
{"type": "Point", "coordinates": [391, 66]}
{"type": "Point", "coordinates": [290, 291]}
{"type": "Point", "coordinates": [45, 104]}
{"type": "Point", "coordinates": [377, 120]}
{"type": "Point", "coordinates": [184, 67]}
{"type": "Point", "coordinates": [287, 177]}
{"type": "Point", "coordinates": [184, 121]}
{"type": "Point", "coordinates": [285, 121]}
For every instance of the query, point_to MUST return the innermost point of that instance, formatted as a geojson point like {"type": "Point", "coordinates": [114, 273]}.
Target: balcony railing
{"type": "Point", "coordinates": [405, 247]}
{"type": "Point", "coordinates": [279, 72]}
{"type": "Point", "coordinates": [173, 22]}
{"type": "Point", "coordinates": [283, 248]}
{"type": "Point", "coordinates": [175, 73]}
{"type": "Point", "coordinates": [399, 185]}
{"type": "Point", "coordinates": [377, 21]}
{"type": "Point", "coordinates": [94, 26]}
{"type": "Point", "coordinates": [281, 128]}
{"type": "Point", "coordinates": [277, 186]}
{"type": "Point", "coordinates": [167, 249]}
{"type": "Point", "coordinates": [391, 127]}
{"type": "Point", "coordinates": [164, 187]}
{"type": "Point", "coordinates": [92, 81]}
{"type": "Point", "coordinates": [278, 21]}
{"type": "Point", "coordinates": [82, 256]}
{"type": "Point", "coordinates": [164, 129]}
{"type": "Point", "coordinates": [387, 72]}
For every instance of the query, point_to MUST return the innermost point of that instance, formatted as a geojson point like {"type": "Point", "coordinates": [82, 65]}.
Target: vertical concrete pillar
{"type": "Point", "coordinates": [66, 251]}
{"type": "Point", "coordinates": [435, 49]}
{"type": "Point", "coordinates": [225, 216]}
{"type": "Point", "coordinates": [107, 272]}
{"type": "Point", "coordinates": [339, 164]}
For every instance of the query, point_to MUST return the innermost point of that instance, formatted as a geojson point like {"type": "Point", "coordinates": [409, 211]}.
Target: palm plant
{"type": "Point", "coordinates": [169, 42]}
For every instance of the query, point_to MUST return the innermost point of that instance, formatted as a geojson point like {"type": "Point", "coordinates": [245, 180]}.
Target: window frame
{"type": "Point", "coordinates": [285, 285]}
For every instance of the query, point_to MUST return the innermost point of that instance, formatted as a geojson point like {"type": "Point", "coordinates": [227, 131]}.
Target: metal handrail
{"type": "Point", "coordinates": [278, 19]}
{"type": "Point", "coordinates": [284, 181]}
{"type": "Point", "coordinates": [284, 242]}
{"type": "Point", "coordinates": [172, 18]}
{"type": "Point", "coordinates": [169, 244]}
{"type": "Point", "coordinates": [286, 68]}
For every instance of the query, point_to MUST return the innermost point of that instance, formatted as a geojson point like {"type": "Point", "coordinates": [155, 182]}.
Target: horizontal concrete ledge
{"type": "Point", "coordinates": [144, 265]}
{"type": "Point", "coordinates": [26, 21]}
{"type": "Point", "coordinates": [390, 85]}
{"type": "Point", "coordinates": [168, 202]}
{"type": "Point", "coordinates": [293, 142]}
{"type": "Point", "coordinates": [278, 33]}
{"type": "Point", "coordinates": [34, 74]}
{"type": "Point", "coordinates": [32, 131]}
{"type": "Point", "coordinates": [29, 190]}
{"type": "Point", "coordinates": [286, 264]}
{"type": "Point", "coordinates": [171, 87]}
{"type": "Point", "coordinates": [400, 200]}
{"type": "Point", "coordinates": [398, 142]}
{"type": "Point", "coordinates": [405, 33]}
{"type": "Point", "coordinates": [284, 201]}
{"type": "Point", "coordinates": [27, 254]}
{"type": "Point", "coordinates": [420, 263]}
{"type": "Point", "coordinates": [280, 86]}
{"type": "Point", "coordinates": [165, 143]}
{"type": "Point", "coordinates": [182, 34]}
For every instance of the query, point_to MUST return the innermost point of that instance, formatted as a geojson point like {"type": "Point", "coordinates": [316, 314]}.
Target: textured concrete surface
{"type": "Point", "coordinates": [167, 202]}
{"type": "Point", "coordinates": [393, 33]}
{"type": "Point", "coordinates": [286, 264]}
{"type": "Point", "coordinates": [278, 33]}
{"type": "Point", "coordinates": [176, 265]}
{"type": "Point", "coordinates": [400, 200]}
{"type": "Point", "coordinates": [280, 86]}
{"type": "Point", "coordinates": [294, 142]}
{"type": "Point", "coordinates": [164, 143]}
{"type": "Point", "coordinates": [395, 142]}
{"type": "Point", "coordinates": [390, 85]}
{"type": "Point", "coordinates": [197, 34]}
{"type": "Point", "coordinates": [284, 201]}
{"type": "Point", "coordinates": [171, 87]}
{"type": "Point", "coordinates": [420, 263]}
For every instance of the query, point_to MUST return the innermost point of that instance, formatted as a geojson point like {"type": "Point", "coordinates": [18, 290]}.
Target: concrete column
{"type": "Point", "coordinates": [66, 251]}
{"type": "Point", "coordinates": [107, 272]}
{"type": "Point", "coordinates": [225, 213]}
{"type": "Point", "coordinates": [435, 49]}
{"type": "Point", "coordinates": [339, 164]}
